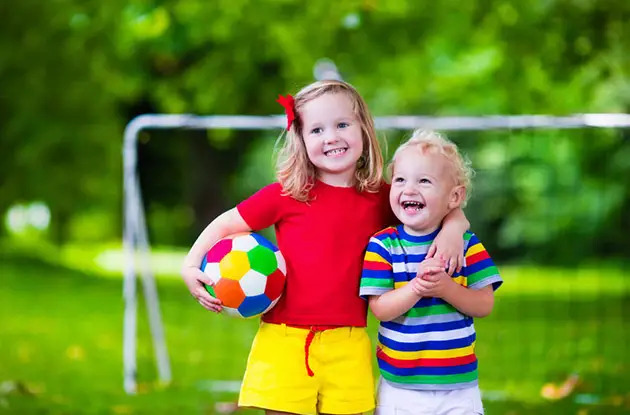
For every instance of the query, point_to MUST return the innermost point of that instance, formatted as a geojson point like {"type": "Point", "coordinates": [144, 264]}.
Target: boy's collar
{"type": "Point", "coordinates": [418, 238]}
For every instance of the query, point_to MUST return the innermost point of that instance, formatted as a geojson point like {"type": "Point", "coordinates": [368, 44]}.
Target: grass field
{"type": "Point", "coordinates": [61, 337]}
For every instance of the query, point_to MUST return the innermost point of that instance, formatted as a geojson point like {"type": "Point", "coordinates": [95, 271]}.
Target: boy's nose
{"type": "Point", "coordinates": [409, 189]}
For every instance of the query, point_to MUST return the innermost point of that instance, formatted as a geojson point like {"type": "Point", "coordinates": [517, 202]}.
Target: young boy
{"type": "Point", "coordinates": [426, 338]}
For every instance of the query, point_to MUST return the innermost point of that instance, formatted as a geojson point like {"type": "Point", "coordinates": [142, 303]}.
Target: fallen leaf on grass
{"type": "Point", "coordinates": [225, 407]}
{"type": "Point", "coordinates": [554, 392]}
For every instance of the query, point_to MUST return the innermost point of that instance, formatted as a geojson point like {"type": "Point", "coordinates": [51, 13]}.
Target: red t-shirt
{"type": "Point", "coordinates": [323, 242]}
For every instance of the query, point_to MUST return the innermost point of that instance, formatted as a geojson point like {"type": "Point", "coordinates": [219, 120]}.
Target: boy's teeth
{"type": "Point", "coordinates": [412, 205]}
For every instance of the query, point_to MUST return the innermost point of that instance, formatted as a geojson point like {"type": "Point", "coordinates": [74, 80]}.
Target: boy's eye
{"type": "Point", "coordinates": [343, 125]}
{"type": "Point", "coordinates": [398, 180]}
{"type": "Point", "coordinates": [423, 181]}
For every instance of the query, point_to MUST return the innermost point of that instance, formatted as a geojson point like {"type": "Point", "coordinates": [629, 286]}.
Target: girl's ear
{"type": "Point", "coordinates": [458, 195]}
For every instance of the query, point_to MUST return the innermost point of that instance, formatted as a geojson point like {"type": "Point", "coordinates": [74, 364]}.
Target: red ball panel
{"type": "Point", "coordinates": [275, 284]}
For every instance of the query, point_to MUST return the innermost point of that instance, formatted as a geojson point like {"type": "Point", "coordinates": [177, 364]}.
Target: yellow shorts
{"type": "Point", "coordinates": [340, 359]}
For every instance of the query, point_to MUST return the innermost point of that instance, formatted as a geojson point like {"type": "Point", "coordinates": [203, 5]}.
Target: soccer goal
{"type": "Point", "coordinates": [136, 243]}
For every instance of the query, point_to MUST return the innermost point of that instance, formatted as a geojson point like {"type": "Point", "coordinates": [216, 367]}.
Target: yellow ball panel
{"type": "Point", "coordinates": [234, 265]}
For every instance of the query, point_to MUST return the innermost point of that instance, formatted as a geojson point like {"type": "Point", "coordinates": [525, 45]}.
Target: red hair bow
{"type": "Point", "coordinates": [288, 103]}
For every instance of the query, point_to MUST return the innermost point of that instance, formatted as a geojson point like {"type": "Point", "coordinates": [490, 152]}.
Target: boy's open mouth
{"type": "Point", "coordinates": [412, 205]}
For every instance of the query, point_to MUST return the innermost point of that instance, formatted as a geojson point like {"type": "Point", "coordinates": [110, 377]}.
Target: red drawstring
{"type": "Point", "coordinates": [309, 339]}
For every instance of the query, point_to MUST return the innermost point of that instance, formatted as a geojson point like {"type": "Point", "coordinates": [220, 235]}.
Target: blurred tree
{"type": "Point", "coordinates": [58, 121]}
{"type": "Point", "coordinates": [74, 73]}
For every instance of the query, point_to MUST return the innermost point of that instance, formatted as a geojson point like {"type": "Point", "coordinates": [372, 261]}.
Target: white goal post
{"type": "Point", "coordinates": [135, 239]}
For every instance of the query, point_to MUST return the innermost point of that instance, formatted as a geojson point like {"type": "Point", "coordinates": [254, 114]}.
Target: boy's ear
{"type": "Point", "coordinates": [457, 197]}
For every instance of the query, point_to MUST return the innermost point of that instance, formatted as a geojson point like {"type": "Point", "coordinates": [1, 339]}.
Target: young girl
{"type": "Point", "coordinates": [312, 353]}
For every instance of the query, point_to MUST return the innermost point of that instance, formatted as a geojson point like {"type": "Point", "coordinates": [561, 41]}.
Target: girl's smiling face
{"type": "Point", "coordinates": [333, 138]}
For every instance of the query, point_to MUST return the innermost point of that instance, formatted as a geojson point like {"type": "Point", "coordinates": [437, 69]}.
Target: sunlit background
{"type": "Point", "coordinates": [550, 204]}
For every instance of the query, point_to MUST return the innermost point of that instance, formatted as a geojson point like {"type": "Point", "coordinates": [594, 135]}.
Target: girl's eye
{"type": "Point", "coordinates": [424, 181]}
{"type": "Point", "coordinates": [343, 125]}
{"type": "Point", "coordinates": [316, 130]}
{"type": "Point", "coordinates": [398, 180]}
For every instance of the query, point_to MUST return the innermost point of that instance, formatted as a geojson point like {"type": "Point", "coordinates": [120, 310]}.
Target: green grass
{"type": "Point", "coordinates": [61, 336]}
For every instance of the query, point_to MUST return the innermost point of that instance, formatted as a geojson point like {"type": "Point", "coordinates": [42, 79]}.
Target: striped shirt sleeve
{"type": "Point", "coordinates": [377, 276]}
{"type": "Point", "coordinates": [480, 271]}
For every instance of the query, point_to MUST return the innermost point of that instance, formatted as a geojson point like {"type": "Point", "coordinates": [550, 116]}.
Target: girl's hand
{"type": "Point", "coordinates": [195, 280]}
{"type": "Point", "coordinates": [448, 246]}
{"type": "Point", "coordinates": [430, 266]}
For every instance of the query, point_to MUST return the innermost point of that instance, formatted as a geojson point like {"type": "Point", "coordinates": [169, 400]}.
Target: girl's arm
{"type": "Point", "coordinates": [449, 243]}
{"type": "Point", "coordinates": [227, 223]}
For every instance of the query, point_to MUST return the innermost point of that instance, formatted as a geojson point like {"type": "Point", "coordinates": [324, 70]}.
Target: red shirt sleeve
{"type": "Point", "coordinates": [263, 208]}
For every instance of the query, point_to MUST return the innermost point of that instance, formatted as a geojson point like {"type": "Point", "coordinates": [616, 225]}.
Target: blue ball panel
{"type": "Point", "coordinates": [264, 242]}
{"type": "Point", "coordinates": [204, 263]}
{"type": "Point", "coordinates": [255, 305]}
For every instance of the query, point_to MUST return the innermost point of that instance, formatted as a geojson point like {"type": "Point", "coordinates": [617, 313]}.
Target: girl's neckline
{"type": "Point", "coordinates": [322, 183]}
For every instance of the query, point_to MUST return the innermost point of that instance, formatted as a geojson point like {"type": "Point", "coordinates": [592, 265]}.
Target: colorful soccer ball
{"type": "Point", "coordinates": [248, 273]}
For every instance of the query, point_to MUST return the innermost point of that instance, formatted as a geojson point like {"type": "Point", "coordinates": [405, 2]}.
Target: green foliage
{"type": "Point", "coordinates": [74, 73]}
{"type": "Point", "coordinates": [93, 226]}
{"type": "Point", "coordinates": [536, 191]}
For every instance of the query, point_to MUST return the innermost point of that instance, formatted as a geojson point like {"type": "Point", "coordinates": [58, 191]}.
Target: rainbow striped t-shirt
{"type": "Point", "coordinates": [431, 346]}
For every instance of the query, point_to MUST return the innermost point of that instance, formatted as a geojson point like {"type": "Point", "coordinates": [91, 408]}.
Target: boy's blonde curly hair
{"type": "Point", "coordinates": [432, 142]}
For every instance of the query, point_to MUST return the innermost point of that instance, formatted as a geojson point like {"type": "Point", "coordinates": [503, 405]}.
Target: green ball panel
{"type": "Point", "coordinates": [262, 259]}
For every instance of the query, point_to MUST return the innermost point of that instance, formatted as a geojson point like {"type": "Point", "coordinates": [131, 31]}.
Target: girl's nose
{"type": "Point", "coordinates": [330, 137]}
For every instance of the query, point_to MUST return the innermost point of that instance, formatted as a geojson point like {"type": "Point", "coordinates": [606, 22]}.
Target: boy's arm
{"type": "Point", "coordinates": [394, 303]}
{"type": "Point", "coordinates": [227, 223]}
{"type": "Point", "coordinates": [449, 243]}
{"type": "Point", "coordinates": [472, 302]}
{"type": "Point", "coordinates": [480, 273]}
{"type": "Point", "coordinates": [397, 302]}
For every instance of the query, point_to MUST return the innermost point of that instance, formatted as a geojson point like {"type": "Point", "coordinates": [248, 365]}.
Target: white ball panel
{"type": "Point", "coordinates": [273, 303]}
{"type": "Point", "coordinates": [282, 265]}
{"type": "Point", "coordinates": [212, 271]}
{"type": "Point", "coordinates": [253, 283]}
{"type": "Point", "coordinates": [244, 243]}
{"type": "Point", "coordinates": [232, 312]}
